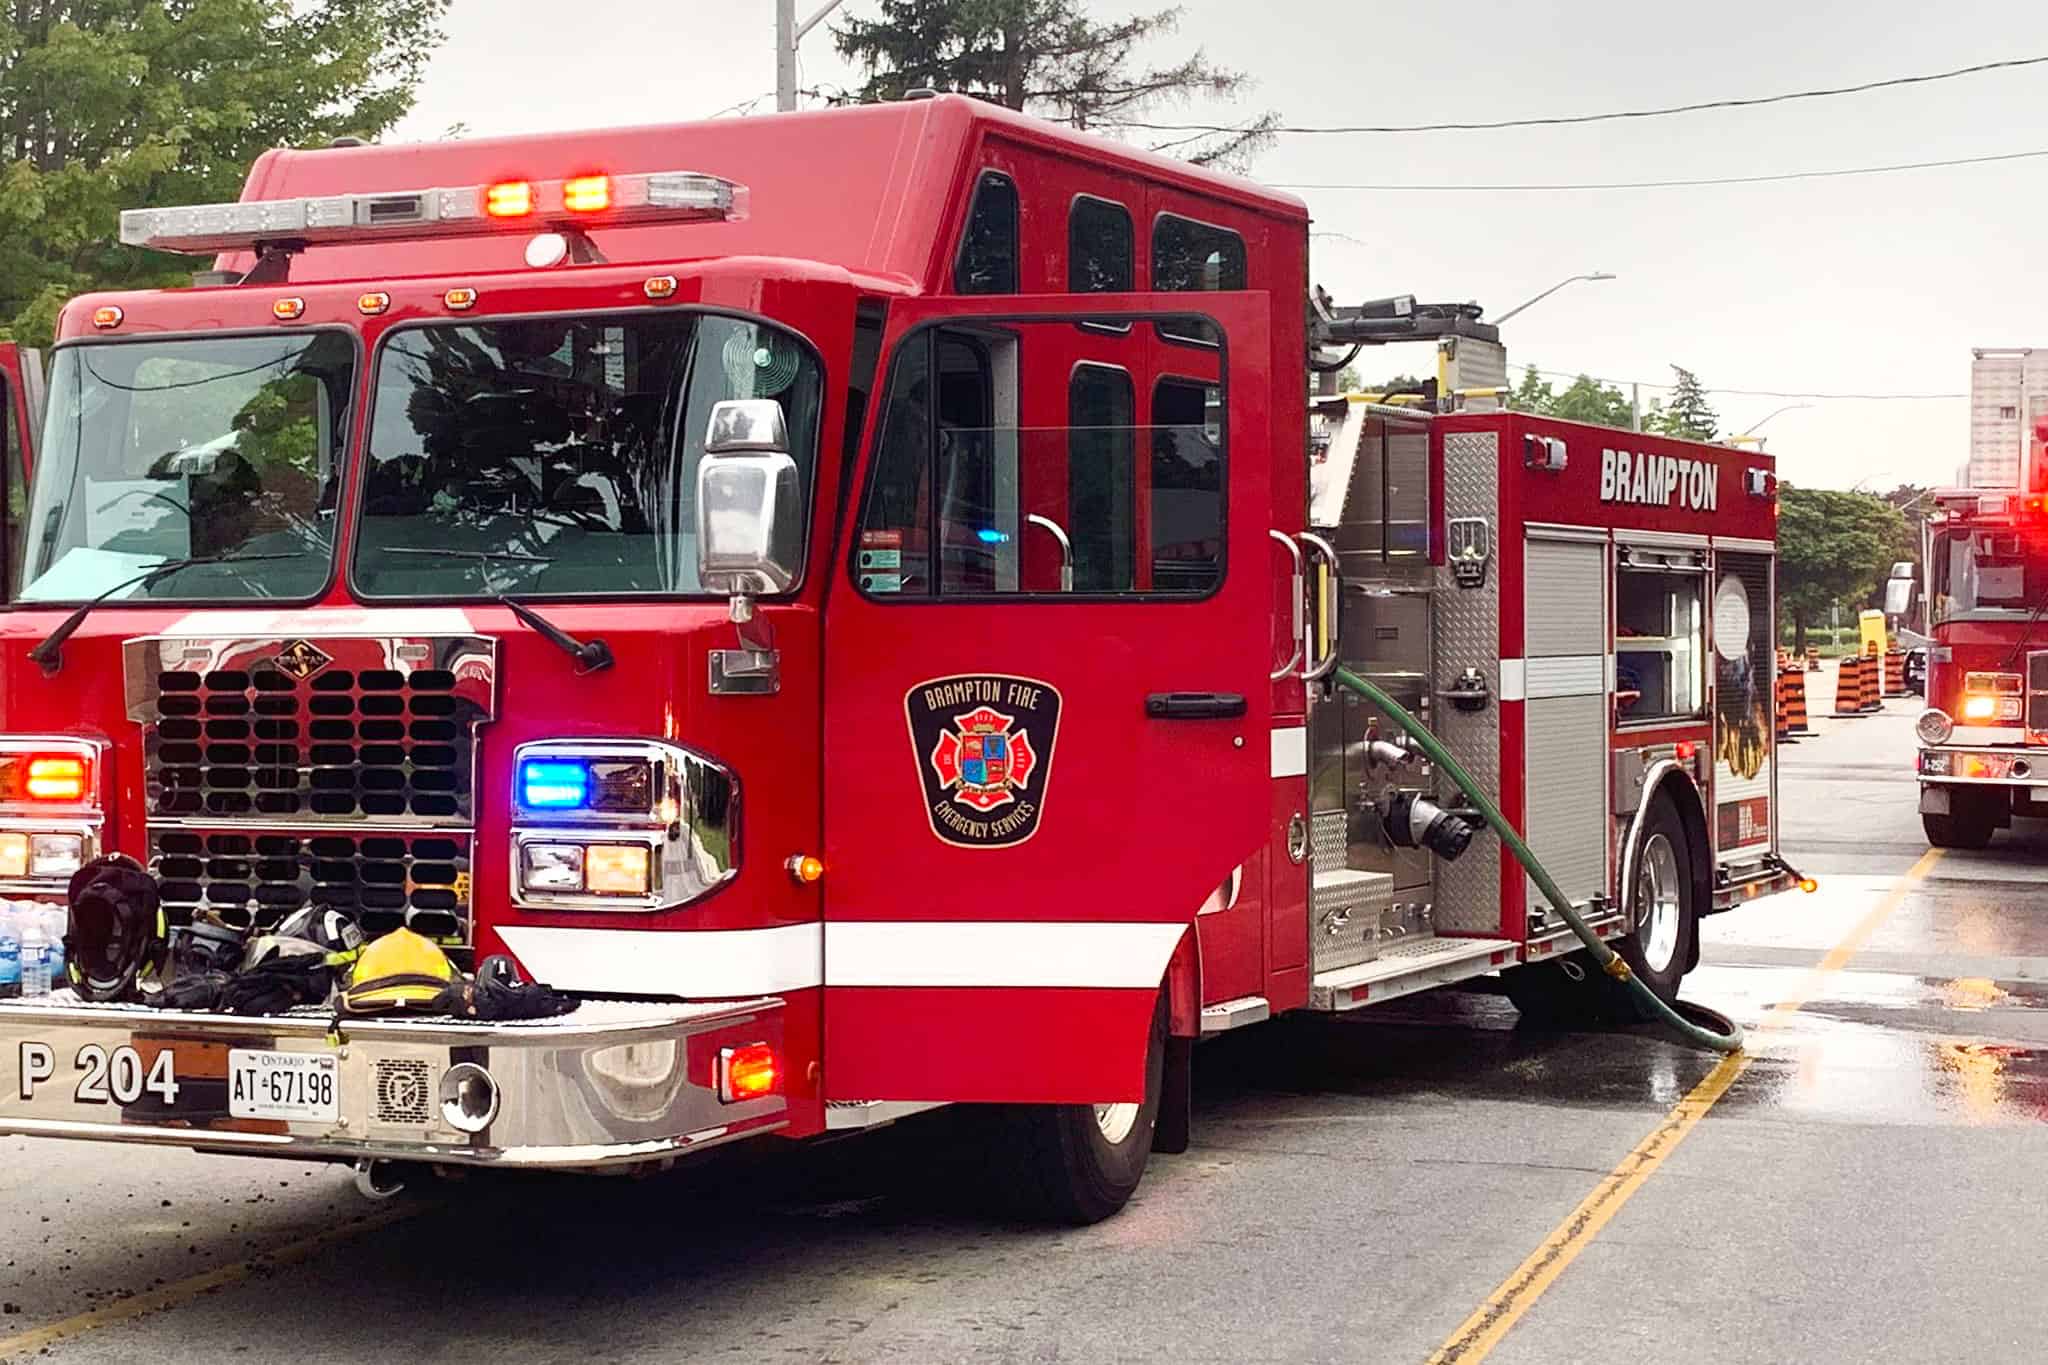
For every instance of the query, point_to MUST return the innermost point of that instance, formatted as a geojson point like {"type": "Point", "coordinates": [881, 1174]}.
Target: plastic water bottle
{"type": "Point", "coordinates": [56, 923]}
{"type": "Point", "coordinates": [35, 960]}
{"type": "Point", "coordinates": [10, 955]}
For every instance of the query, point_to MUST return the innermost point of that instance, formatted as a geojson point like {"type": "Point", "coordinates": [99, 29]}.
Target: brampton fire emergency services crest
{"type": "Point", "coordinates": [984, 754]}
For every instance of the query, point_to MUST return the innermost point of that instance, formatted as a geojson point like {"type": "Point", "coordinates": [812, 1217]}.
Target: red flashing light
{"type": "Point", "coordinates": [748, 1073]}
{"type": "Point", "coordinates": [1686, 750]}
{"type": "Point", "coordinates": [509, 199]}
{"type": "Point", "coordinates": [57, 777]}
{"type": "Point", "coordinates": [587, 194]}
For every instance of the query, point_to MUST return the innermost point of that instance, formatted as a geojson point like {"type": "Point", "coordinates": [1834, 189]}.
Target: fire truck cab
{"type": "Point", "coordinates": [1981, 757]}
{"type": "Point", "coordinates": [853, 597]}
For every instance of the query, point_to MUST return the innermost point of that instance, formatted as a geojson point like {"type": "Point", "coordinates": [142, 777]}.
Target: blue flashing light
{"type": "Point", "coordinates": [554, 784]}
{"type": "Point", "coordinates": [989, 535]}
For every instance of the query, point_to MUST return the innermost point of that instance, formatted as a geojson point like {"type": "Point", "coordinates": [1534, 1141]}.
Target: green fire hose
{"type": "Point", "coordinates": [1608, 960]}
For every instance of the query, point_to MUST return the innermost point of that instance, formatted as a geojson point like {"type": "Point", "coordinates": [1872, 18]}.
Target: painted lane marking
{"type": "Point", "coordinates": [180, 1292]}
{"type": "Point", "coordinates": [1507, 1304]}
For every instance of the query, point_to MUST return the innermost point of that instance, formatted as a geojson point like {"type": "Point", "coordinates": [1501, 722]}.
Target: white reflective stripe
{"type": "Point", "coordinates": [1092, 955]}
{"type": "Point", "coordinates": [706, 962]}
{"type": "Point", "coordinates": [1567, 675]}
{"type": "Point", "coordinates": [241, 625]}
{"type": "Point", "coordinates": [1290, 752]}
{"type": "Point", "coordinates": [1513, 686]}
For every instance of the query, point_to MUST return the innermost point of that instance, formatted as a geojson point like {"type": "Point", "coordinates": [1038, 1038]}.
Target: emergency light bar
{"type": "Point", "coordinates": [510, 205]}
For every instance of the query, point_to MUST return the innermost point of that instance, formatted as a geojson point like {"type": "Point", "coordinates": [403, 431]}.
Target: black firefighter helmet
{"type": "Point", "coordinates": [115, 936]}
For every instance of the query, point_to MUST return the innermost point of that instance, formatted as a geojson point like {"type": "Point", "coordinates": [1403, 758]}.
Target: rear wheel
{"type": "Point", "coordinates": [1659, 948]}
{"type": "Point", "coordinates": [1968, 828]}
{"type": "Point", "coordinates": [1080, 1163]}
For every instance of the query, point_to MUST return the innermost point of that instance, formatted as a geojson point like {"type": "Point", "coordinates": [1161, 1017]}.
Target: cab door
{"type": "Point", "coordinates": [1047, 719]}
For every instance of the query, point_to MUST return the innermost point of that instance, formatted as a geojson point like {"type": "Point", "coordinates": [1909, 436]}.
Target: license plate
{"type": "Point", "coordinates": [301, 1086]}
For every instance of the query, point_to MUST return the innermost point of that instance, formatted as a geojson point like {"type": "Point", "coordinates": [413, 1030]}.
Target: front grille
{"type": "Point", "coordinates": [2037, 691]}
{"type": "Point", "coordinates": [259, 743]}
{"type": "Point", "coordinates": [420, 881]}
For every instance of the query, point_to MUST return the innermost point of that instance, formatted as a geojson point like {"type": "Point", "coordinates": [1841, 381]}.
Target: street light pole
{"type": "Point", "coordinates": [788, 33]}
{"type": "Point", "coordinates": [1789, 407]}
{"type": "Point", "coordinates": [1596, 275]}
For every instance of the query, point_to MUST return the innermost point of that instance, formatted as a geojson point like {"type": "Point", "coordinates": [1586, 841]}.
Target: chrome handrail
{"type": "Point", "coordinates": [1299, 623]}
{"type": "Point", "coordinates": [1066, 548]}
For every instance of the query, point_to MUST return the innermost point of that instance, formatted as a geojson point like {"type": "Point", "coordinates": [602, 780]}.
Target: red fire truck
{"type": "Point", "coordinates": [852, 597]}
{"type": "Point", "coordinates": [1985, 554]}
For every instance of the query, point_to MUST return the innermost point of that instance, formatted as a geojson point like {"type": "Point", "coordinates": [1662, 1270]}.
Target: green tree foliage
{"type": "Point", "coordinates": [1688, 415]}
{"type": "Point", "coordinates": [1050, 58]}
{"type": "Point", "coordinates": [1832, 547]}
{"type": "Point", "coordinates": [1585, 399]}
{"type": "Point", "coordinates": [113, 104]}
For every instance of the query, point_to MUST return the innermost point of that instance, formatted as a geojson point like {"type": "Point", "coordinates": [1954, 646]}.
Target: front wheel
{"type": "Point", "coordinates": [1080, 1163]}
{"type": "Point", "coordinates": [1659, 949]}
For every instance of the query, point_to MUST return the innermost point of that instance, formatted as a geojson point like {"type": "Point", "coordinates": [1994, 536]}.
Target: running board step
{"type": "Point", "coordinates": [1414, 966]}
{"type": "Point", "coordinates": [1230, 1014]}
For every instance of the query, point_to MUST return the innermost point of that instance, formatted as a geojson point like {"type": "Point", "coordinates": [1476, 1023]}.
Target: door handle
{"type": "Point", "coordinates": [1194, 705]}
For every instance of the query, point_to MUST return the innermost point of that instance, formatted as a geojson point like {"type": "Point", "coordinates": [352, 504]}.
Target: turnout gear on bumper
{"type": "Point", "coordinates": [115, 937]}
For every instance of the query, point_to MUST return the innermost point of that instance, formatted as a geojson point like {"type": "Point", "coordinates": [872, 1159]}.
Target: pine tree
{"type": "Point", "coordinates": [1688, 414]}
{"type": "Point", "coordinates": [1049, 58]}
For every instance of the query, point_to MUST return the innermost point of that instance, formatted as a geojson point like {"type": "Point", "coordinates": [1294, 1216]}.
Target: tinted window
{"type": "Point", "coordinates": [559, 455]}
{"type": "Point", "coordinates": [965, 499]}
{"type": "Point", "coordinates": [1102, 479]}
{"type": "Point", "coordinates": [17, 487]}
{"type": "Point", "coordinates": [1099, 248]}
{"type": "Point", "coordinates": [1191, 257]}
{"type": "Point", "coordinates": [988, 251]}
{"type": "Point", "coordinates": [1187, 486]}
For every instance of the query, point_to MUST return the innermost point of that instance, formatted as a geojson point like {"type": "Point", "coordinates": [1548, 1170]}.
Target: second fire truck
{"type": "Point", "coordinates": [853, 597]}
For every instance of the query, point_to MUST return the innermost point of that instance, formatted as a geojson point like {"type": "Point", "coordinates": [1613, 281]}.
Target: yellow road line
{"type": "Point", "coordinates": [183, 1291]}
{"type": "Point", "coordinates": [1503, 1308]}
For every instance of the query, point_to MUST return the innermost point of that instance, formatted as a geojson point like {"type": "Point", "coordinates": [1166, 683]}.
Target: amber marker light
{"type": "Point", "coordinates": [1808, 885]}
{"type": "Point", "coordinates": [805, 868]}
{"type": "Point", "coordinates": [369, 305]}
{"type": "Point", "coordinates": [660, 287]}
{"type": "Point", "coordinates": [107, 318]}
{"type": "Point", "coordinates": [459, 300]}
{"type": "Point", "coordinates": [288, 310]}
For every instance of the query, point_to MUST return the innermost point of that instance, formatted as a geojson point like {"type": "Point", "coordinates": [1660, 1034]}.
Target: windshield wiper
{"type": "Point", "coordinates": [593, 654]}
{"type": "Point", "coordinates": [50, 653]}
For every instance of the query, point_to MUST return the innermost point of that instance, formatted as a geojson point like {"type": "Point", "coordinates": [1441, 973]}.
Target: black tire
{"type": "Point", "coordinates": [1661, 953]}
{"type": "Point", "coordinates": [1565, 991]}
{"type": "Point", "coordinates": [1058, 1163]}
{"type": "Point", "coordinates": [1964, 829]}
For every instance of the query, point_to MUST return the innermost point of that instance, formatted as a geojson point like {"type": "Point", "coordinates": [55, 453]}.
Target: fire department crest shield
{"type": "Point", "coordinates": [983, 743]}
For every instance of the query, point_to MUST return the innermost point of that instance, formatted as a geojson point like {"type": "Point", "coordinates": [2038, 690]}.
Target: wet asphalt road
{"type": "Point", "coordinates": [1870, 1186]}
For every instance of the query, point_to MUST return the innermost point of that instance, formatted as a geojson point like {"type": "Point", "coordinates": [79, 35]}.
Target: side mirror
{"type": "Point", "coordinates": [749, 508]}
{"type": "Point", "coordinates": [1898, 596]}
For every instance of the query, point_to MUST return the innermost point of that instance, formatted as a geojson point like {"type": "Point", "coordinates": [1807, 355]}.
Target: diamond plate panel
{"type": "Point", "coordinates": [1326, 841]}
{"type": "Point", "coordinates": [1468, 636]}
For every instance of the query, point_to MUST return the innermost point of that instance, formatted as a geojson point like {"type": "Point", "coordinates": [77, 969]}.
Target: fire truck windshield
{"type": "Point", "coordinates": [1987, 573]}
{"type": "Point", "coordinates": [558, 456]}
{"type": "Point", "coordinates": [203, 449]}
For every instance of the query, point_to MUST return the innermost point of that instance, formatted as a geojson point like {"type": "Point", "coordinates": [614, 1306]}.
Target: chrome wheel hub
{"type": "Point", "coordinates": [1658, 909]}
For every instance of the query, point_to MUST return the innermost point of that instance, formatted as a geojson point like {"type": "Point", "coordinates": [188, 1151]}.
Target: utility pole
{"type": "Point", "coordinates": [788, 33]}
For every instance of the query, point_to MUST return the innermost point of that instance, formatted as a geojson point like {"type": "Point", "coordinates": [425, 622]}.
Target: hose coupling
{"type": "Point", "coordinates": [1616, 968]}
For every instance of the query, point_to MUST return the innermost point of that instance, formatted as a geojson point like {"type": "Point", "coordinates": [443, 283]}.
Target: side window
{"type": "Point", "coordinates": [1192, 258]}
{"type": "Point", "coordinates": [1005, 467]}
{"type": "Point", "coordinates": [1659, 646]}
{"type": "Point", "coordinates": [1187, 486]}
{"type": "Point", "coordinates": [1099, 247]}
{"type": "Point", "coordinates": [15, 490]}
{"type": "Point", "coordinates": [988, 249]}
{"type": "Point", "coordinates": [1102, 479]}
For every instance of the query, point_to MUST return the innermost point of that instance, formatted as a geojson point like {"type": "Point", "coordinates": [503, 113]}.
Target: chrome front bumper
{"type": "Point", "coordinates": [612, 1083]}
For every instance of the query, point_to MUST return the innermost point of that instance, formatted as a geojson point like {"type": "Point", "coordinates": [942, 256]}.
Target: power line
{"type": "Point", "coordinates": [1662, 112]}
{"type": "Point", "coordinates": [1681, 184]}
{"type": "Point", "coordinates": [1746, 393]}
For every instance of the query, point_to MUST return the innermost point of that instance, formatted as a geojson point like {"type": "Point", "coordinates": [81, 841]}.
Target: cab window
{"type": "Point", "coordinates": [988, 250]}
{"type": "Point", "coordinates": [1007, 466]}
{"type": "Point", "coordinates": [1190, 258]}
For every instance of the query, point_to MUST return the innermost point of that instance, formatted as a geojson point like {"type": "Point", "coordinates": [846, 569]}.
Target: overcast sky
{"type": "Point", "coordinates": [1857, 285]}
